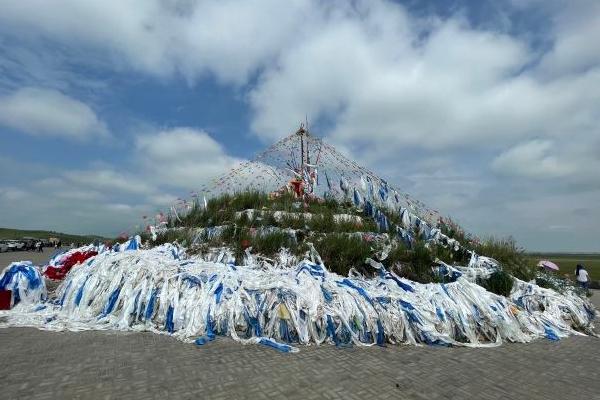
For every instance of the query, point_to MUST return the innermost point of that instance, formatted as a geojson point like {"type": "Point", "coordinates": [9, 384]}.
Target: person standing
{"type": "Point", "coordinates": [583, 278]}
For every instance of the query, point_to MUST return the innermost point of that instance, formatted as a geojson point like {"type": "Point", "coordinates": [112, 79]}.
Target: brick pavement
{"type": "Point", "coordinates": [105, 365]}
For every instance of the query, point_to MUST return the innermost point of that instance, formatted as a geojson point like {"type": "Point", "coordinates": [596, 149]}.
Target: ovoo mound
{"type": "Point", "coordinates": [301, 246]}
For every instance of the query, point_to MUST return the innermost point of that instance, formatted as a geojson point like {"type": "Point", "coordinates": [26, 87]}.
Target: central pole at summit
{"type": "Point", "coordinates": [306, 175]}
{"type": "Point", "coordinates": [303, 135]}
{"type": "Point", "coordinates": [304, 156]}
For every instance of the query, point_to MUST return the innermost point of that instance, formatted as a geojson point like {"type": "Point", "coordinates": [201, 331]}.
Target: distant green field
{"type": "Point", "coordinates": [7, 233]}
{"type": "Point", "coordinates": [568, 262]}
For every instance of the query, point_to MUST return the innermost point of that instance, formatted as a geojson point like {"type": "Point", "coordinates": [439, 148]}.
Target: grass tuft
{"type": "Point", "coordinates": [512, 257]}
{"type": "Point", "coordinates": [500, 283]}
{"type": "Point", "coordinates": [342, 252]}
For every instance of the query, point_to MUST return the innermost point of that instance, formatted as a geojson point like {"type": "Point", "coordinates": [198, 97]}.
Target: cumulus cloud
{"type": "Point", "coordinates": [456, 87]}
{"type": "Point", "coordinates": [58, 203]}
{"type": "Point", "coordinates": [227, 39]}
{"type": "Point", "coordinates": [103, 199]}
{"type": "Point", "coordinates": [109, 180]}
{"type": "Point", "coordinates": [532, 159]}
{"type": "Point", "coordinates": [12, 194]}
{"type": "Point", "coordinates": [572, 51]}
{"type": "Point", "coordinates": [45, 112]}
{"type": "Point", "coordinates": [182, 157]}
{"type": "Point", "coordinates": [366, 69]}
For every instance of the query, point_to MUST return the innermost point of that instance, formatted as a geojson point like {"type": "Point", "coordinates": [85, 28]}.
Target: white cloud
{"type": "Point", "coordinates": [80, 194]}
{"type": "Point", "coordinates": [182, 157]}
{"type": "Point", "coordinates": [109, 180]}
{"type": "Point", "coordinates": [161, 199]}
{"type": "Point", "coordinates": [369, 69]}
{"type": "Point", "coordinates": [120, 207]}
{"type": "Point", "coordinates": [457, 87]}
{"type": "Point", "coordinates": [228, 39]}
{"type": "Point", "coordinates": [100, 199]}
{"type": "Point", "coordinates": [534, 159]}
{"type": "Point", "coordinates": [45, 112]}
{"type": "Point", "coordinates": [12, 194]}
{"type": "Point", "coordinates": [574, 51]}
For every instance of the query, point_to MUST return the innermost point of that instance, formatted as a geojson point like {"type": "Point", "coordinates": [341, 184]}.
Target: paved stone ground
{"type": "Point", "coordinates": [33, 256]}
{"type": "Point", "coordinates": [104, 365]}
{"type": "Point", "coordinates": [120, 365]}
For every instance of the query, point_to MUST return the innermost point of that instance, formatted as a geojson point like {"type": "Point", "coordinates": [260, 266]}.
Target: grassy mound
{"type": "Point", "coordinates": [343, 235]}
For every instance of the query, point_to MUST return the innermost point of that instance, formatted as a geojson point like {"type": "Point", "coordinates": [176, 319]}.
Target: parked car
{"type": "Point", "coordinates": [3, 247]}
{"type": "Point", "coordinates": [29, 243]}
{"type": "Point", "coordinates": [14, 245]}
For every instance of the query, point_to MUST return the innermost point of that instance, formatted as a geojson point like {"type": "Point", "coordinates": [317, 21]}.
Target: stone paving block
{"type": "Point", "coordinates": [127, 365]}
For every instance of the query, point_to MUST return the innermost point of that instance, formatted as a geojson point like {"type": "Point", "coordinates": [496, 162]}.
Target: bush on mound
{"type": "Point", "coordinates": [342, 244]}
{"type": "Point", "coordinates": [499, 282]}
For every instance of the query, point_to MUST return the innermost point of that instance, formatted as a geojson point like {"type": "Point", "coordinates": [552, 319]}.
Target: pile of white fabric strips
{"type": "Point", "coordinates": [162, 290]}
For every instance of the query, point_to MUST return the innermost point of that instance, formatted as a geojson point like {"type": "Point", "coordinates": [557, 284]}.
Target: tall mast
{"type": "Point", "coordinates": [301, 133]}
{"type": "Point", "coordinates": [307, 147]}
{"type": "Point", "coordinates": [302, 150]}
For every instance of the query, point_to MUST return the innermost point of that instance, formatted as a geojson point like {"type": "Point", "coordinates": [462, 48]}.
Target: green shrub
{"type": "Point", "coordinates": [414, 263]}
{"type": "Point", "coordinates": [144, 236]}
{"type": "Point", "coordinates": [292, 222]}
{"type": "Point", "coordinates": [399, 254]}
{"type": "Point", "coordinates": [545, 282]}
{"type": "Point", "coordinates": [331, 203]}
{"type": "Point", "coordinates": [442, 253]}
{"type": "Point", "coordinates": [181, 236]}
{"type": "Point", "coordinates": [342, 252]}
{"type": "Point", "coordinates": [268, 219]}
{"type": "Point", "coordinates": [321, 222]}
{"type": "Point", "coordinates": [454, 231]}
{"type": "Point", "coordinates": [339, 252]}
{"type": "Point", "coordinates": [512, 257]}
{"type": "Point", "coordinates": [420, 263]}
{"type": "Point", "coordinates": [247, 200]}
{"type": "Point", "coordinates": [270, 244]}
{"type": "Point", "coordinates": [499, 283]}
{"type": "Point", "coordinates": [244, 220]}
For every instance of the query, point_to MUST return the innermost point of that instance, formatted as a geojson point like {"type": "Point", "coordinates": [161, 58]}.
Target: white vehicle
{"type": "Point", "coordinates": [14, 245]}
{"type": "Point", "coordinates": [3, 247]}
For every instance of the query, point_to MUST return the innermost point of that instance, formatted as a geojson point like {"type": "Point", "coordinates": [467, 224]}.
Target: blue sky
{"type": "Point", "coordinates": [485, 110]}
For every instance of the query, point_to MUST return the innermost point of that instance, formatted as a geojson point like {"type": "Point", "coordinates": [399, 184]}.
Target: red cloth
{"type": "Point", "coordinates": [5, 298]}
{"type": "Point", "coordinates": [59, 272]}
{"type": "Point", "coordinates": [298, 187]}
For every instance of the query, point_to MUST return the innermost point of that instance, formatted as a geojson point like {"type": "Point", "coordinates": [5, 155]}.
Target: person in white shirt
{"type": "Point", "coordinates": [583, 278]}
